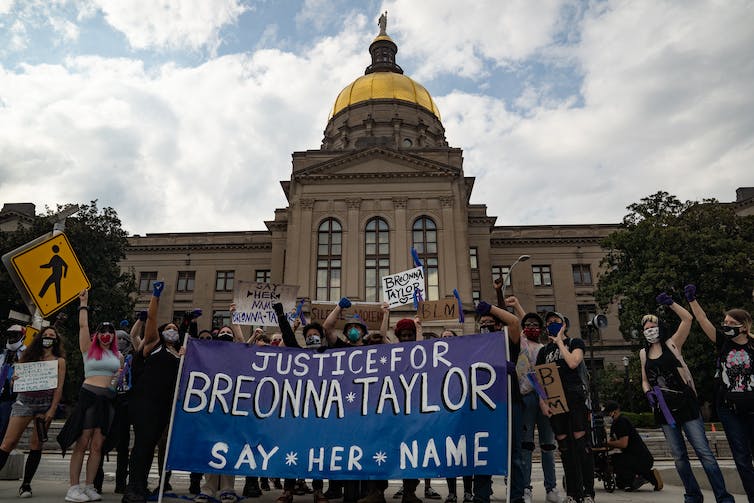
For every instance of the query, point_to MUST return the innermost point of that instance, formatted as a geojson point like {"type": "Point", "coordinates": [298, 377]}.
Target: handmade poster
{"type": "Point", "coordinates": [369, 312]}
{"type": "Point", "coordinates": [35, 376]}
{"type": "Point", "coordinates": [254, 302]}
{"type": "Point", "coordinates": [402, 288]}
{"type": "Point", "coordinates": [549, 378]}
{"type": "Point", "coordinates": [431, 310]}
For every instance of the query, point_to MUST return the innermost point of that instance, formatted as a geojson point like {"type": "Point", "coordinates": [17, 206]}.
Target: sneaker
{"type": "Point", "coordinates": [201, 498]}
{"type": "Point", "coordinates": [373, 497]}
{"type": "Point", "coordinates": [553, 497]}
{"type": "Point", "coordinates": [429, 492]}
{"type": "Point", "coordinates": [398, 494]}
{"type": "Point", "coordinates": [92, 493]}
{"type": "Point", "coordinates": [570, 499]}
{"type": "Point", "coordinates": [24, 491]}
{"type": "Point", "coordinates": [452, 498]}
{"type": "Point", "coordinates": [251, 488]}
{"type": "Point", "coordinates": [76, 494]}
{"type": "Point", "coordinates": [468, 498]}
{"type": "Point", "coordinates": [286, 497]}
{"type": "Point", "coordinates": [588, 499]}
{"type": "Point", "coordinates": [638, 482]}
{"type": "Point", "coordinates": [319, 497]}
{"type": "Point", "coordinates": [410, 498]}
{"type": "Point", "coordinates": [302, 488]}
{"type": "Point", "coordinates": [527, 495]}
{"type": "Point", "coordinates": [264, 484]}
{"type": "Point", "coordinates": [333, 494]}
{"type": "Point", "coordinates": [228, 497]}
{"type": "Point", "coordinates": [658, 479]}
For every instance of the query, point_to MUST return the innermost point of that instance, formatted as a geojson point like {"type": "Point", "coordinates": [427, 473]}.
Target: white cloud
{"type": "Point", "coordinates": [6, 6]}
{"type": "Point", "coordinates": [171, 24]}
{"type": "Point", "coordinates": [68, 31]}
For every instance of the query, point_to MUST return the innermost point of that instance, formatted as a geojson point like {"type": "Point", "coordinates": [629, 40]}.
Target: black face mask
{"type": "Point", "coordinates": [731, 332]}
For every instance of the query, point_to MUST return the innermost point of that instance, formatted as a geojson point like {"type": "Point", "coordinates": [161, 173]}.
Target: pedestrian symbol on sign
{"type": "Point", "coordinates": [59, 270]}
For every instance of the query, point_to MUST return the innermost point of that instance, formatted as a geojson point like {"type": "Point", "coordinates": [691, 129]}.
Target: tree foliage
{"type": "Point", "coordinates": [664, 244]}
{"type": "Point", "coordinates": [100, 243]}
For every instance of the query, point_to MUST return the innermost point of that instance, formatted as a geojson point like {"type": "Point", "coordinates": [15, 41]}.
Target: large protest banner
{"type": "Point", "coordinates": [402, 288]}
{"type": "Point", "coordinates": [254, 302]}
{"type": "Point", "coordinates": [389, 411]}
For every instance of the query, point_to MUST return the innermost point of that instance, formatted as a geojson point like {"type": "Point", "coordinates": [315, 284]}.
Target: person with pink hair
{"type": "Point", "coordinates": [90, 421]}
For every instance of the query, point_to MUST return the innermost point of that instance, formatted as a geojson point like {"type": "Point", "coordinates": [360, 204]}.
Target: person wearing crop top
{"type": "Point", "coordinates": [90, 421]}
{"type": "Point", "coordinates": [46, 346]}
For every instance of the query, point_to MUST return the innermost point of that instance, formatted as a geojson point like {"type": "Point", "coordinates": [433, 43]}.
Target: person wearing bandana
{"type": "Point", "coordinates": [734, 379]}
{"type": "Point", "coordinates": [46, 346]}
{"type": "Point", "coordinates": [670, 390]}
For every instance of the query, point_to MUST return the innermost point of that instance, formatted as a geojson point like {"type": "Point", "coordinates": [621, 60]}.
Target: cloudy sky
{"type": "Point", "coordinates": [183, 114]}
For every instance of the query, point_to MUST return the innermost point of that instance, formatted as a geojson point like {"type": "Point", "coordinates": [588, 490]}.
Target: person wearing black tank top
{"type": "Point", "coordinates": [670, 390]}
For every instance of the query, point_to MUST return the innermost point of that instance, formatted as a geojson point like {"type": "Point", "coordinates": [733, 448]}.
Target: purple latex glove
{"type": "Point", "coordinates": [651, 398]}
{"type": "Point", "coordinates": [344, 303]}
{"type": "Point", "coordinates": [690, 292]}
{"type": "Point", "coordinates": [196, 313]}
{"type": "Point", "coordinates": [157, 288]}
{"type": "Point", "coordinates": [143, 315]}
{"type": "Point", "coordinates": [664, 299]}
{"type": "Point", "coordinates": [483, 308]}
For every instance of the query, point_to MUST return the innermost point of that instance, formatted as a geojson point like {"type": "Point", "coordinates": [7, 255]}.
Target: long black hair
{"type": "Point", "coordinates": [35, 351]}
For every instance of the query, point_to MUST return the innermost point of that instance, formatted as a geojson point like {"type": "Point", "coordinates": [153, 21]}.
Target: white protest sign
{"type": "Point", "coordinates": [398, 289]}
{"type": "Point", "coordinates": [254, 302]}
{"type": "Point", "coordinates": [35, 376]}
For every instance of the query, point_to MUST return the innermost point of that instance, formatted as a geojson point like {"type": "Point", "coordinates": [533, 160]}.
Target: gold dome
{"type": "Point", "coordinates": [384, 85]}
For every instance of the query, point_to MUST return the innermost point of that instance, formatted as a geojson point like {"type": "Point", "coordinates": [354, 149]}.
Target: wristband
{"type": "Point", "coordinates": [83, 307]}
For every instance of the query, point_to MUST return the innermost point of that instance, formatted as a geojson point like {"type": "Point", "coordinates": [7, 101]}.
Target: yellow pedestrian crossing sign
{"type": "Point", "coordinates": [51, 273]}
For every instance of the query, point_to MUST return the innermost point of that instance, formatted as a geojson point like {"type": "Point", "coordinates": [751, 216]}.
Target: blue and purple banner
{"type": "Point", "coordinates": [435, 408]}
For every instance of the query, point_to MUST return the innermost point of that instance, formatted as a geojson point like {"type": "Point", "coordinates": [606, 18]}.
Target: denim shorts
{"type": "Point", "coordinates": [26, 406]}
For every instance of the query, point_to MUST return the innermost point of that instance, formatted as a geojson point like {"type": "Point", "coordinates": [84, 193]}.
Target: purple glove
{"type": "Point", "coordinates": [196, 313]}
{"type": "Point", "coordinates": [483, 308]}
{"type": "Point", "coordinates": [157, 288]}
{"type": "Point", "coordinates": [143, 315]}
{"type": "Point", "coordinates": [664, 299]}
{"type": "Point", "coordinates": [690, 292]}
{"type": "Point", "coordinates": [651, 398]}
{"type": "Point", "coordinates": [344, 303]}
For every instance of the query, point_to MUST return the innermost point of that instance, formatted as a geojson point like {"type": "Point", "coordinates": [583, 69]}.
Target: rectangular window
{"type": "Point", "coordinates": [220, 318]}
{"type": "Point", "coordinates": [262, 275]}
{"type": "Point", "coordinates": [185, 281]}
{"type": "Point", "coordinates": [542, 275]}
{"type": "Point", "coordinates": [474, 258]}
{"type": "Point", "coordinates": [146, 281]}
{"type": "Point", "coordinates": [501, 271]}
{"type": "Point", "coordinates": [224, 281]}
{"type": "Point", "coordinates": [476, 296]}
{"type": "Point", "coordinates": [582, 274]}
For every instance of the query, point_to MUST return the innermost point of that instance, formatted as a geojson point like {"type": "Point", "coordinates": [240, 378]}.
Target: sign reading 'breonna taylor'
{"type": "Point", "coordinates": [413, 410]}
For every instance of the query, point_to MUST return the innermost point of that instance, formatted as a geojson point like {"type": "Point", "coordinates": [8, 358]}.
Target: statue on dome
{"type": "Point", "coordinates": [383, 23]}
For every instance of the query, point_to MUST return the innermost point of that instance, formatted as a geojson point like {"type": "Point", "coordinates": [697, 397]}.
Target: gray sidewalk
{"type": "Point", "coordinates": [51, 483]}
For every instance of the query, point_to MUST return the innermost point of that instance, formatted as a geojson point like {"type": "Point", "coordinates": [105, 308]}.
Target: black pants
{"type": "Point", "coordinates": [627, 467]}
{"type": "Point", "coordinates": [148, 429]}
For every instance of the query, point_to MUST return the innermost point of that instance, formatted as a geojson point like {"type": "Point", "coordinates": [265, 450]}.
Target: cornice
{"type": "Point", "coordinates": [551, 240]}
{"type": "Point", "coordinates": [183, 248]}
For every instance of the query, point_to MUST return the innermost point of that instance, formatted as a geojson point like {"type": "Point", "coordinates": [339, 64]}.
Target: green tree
{"type": "Point", "coordinates": [100, 243]}
{"type": "Point", "coordinates": [664, 244]}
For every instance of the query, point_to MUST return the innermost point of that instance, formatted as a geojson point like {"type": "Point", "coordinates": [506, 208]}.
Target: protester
{"type": "Point", "coordinates": [670, 390]}
{"type": "Point", "coordinates": [121, 427]}
{"type": "Point", "coordinates": [354, 330]}
{"type": "Point", "coordinates": [492, 319]}
{"type": "Point", "coordinates": [633, 465]}
{"type": "Point", "coordinates": [155, 370]}
{"type": "Point", "coordinates": [570, 427]}
{"type": "Point", "coordinates": [46, 346]}
{"type": "Point", "coordinates": [13, 349]}
{"type": "Point", "coordinates": [734, 397]}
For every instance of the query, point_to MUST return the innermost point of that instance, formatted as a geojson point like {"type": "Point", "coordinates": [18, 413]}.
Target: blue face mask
{"type": "Point", "coordinates": [354, 334]}
{"type": "Point", "coordinates": [554, 328]}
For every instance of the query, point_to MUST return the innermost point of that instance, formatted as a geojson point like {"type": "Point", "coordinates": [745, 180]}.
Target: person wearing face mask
{"type": "Point", "coordinates": [670, 390]}
{"type": "Point", "coordinates": [46, 346]}
{"type": "Point", "coordinates": [734, 381]}
{"type": "Point", "coordinates": [570, 427]}
{"type": "Point", "coordinates": [12, 348]}
{"type": "Point", "coordinates": [154, 375]}
{"type": "Point", "coordinates": [90, 421]}
{"type": "Point", "coordinates": [354, 330]}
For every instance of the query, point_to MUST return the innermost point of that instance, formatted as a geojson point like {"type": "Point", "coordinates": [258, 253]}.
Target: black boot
{"type": "Point", "coordinates": [251, 488]}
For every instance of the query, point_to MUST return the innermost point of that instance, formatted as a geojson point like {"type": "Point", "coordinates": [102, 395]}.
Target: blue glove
{"type": "Point", "coordinates": [664, 299]}
{"type": "Point", "coordinates": [483, 308]}
{"type": "Point", "coordinates": [123, 323]}
{"type": "Point", "coordinates": [344, 303]}
{"type": "Point", "coordinates": [651, 398]}
{"type": "Point", "coordinates": [143, 315]}
{"type": "Point", "coordinates": [196, 313]}
{"type": "Point", "coordinates": [157, 288]}
{"type": "Point", "coordinates": [690, 292]}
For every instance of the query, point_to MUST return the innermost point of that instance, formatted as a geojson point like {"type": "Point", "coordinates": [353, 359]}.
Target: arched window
{"type": "Point", "coordinates": [376, 256]}
{"type": "Point", "coordinates": [425, 241]}
{"type": "Point", "coordinates": [329, 251]}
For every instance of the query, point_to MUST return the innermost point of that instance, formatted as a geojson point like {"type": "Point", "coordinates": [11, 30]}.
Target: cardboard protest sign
{"type": "Point", "coordinates": [398, 289]}
{"type": "Point", "coordinates": [35, 376]}
{"type": "Point", "coordinates": [430, 310]}
{"type": "Point", "coordinates": [389, 411]}
{"type": "Point", "coordinates": [254, 302]}
{"type": "Point", "coordinates": [370, 313]}
{"type": "Point", "coordinates": [549, 378]}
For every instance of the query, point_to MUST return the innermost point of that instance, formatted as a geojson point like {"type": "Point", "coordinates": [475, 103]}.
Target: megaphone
{"type": "Point", "coordinates": [599, 321]}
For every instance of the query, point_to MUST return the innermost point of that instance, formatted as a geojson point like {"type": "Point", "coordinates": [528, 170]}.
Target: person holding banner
{"type": "Point", "coordinates": [155, 371]}
{"type": "Point", "coordinates": [46, 346]}
{"type": "Point", "coordinates": [570, 427]}
{"type": "Point", "coordinates": [670, 390]}
{"type": "Point", "coordinates": [90, 421]}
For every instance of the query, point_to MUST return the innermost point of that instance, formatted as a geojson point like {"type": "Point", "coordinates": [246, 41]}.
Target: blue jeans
{"type": "Point", "coordinates": [533, 416]}
{"type": "Point", "coordinates": [739, 430]}
{"type": "Point", "coordinates": [694, 431]}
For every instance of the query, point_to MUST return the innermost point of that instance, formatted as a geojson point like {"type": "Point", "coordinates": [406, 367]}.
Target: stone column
{"type": "Point", "coordinates": [401, 245]}
{"type": "Point", "coordinates": [450, 258]}
{"type": "Point", "coordinates": [351, 244]}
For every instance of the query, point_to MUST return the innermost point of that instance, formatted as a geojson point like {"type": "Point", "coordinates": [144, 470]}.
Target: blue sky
{"type": "Point", "coordinates": [183, 114]}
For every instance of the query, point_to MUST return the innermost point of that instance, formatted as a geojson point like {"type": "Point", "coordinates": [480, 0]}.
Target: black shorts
{"type": "Point", "coordinates": [576, 419]}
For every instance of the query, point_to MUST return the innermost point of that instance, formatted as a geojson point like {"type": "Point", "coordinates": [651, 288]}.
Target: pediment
{"type": "Point", "coordinates": [376, 162]}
